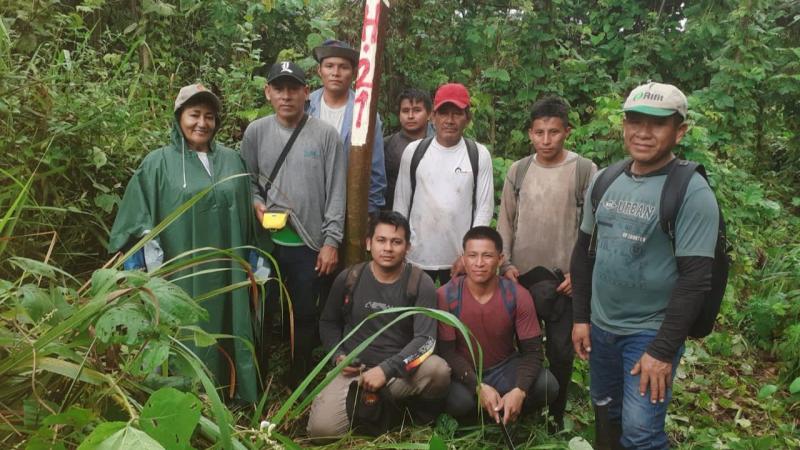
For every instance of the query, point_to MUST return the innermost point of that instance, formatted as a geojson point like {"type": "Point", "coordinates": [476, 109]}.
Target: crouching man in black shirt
{"type": "Point", "coordinates": [399, 364]}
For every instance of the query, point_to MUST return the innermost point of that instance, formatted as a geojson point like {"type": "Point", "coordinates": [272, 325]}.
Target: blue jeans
{"type": "Point", "coordinates": [610, 362]}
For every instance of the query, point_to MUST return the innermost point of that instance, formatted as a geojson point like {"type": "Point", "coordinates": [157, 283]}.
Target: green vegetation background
{"type": "Point", "coordinates": [86, 89]}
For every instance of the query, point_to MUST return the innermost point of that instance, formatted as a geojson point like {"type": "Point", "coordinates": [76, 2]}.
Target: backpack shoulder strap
{"type": "Point", "coordinates": [519, 176]}
{"type": "Point", "coordinates": [453, 292]}
{"type": "Point", "coordinates": [673, 192]}
{"type": "Point", "coordinates": [350, 282]}
{"type": "Point", "coordinates": [583, 175]}
{"type": "Point", "coordinates": [412, 288]}
{"type": "Point", "coordinates": [419, 152]}
{"type": "Point", "coordinates": [508, 292]}
{"type": "Point", "coordinates": [600, 187]}
{"type": "Point", "coordinates": [472, 153]}
{"type": "Point", "coordinates": [605, 179]}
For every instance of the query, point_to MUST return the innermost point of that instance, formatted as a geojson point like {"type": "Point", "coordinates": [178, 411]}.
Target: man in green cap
{"type": "Point", "coordinates": [635, 301]}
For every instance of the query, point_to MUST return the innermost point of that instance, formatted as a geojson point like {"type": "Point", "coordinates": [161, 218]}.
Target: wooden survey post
{"type": "Point", "coordinates": [362, 135]}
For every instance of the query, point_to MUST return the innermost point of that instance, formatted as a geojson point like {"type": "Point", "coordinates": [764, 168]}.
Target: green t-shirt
{"type": "Point", "coordinates": [635, 269]}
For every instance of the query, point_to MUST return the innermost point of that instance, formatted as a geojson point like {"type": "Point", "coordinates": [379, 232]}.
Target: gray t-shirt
{"type": "Point", "coordinates": [400, 348]}
{"type": "Point", "coordinates": [311, 182]}
{"type": "Point", "coordinates": [635, 269]}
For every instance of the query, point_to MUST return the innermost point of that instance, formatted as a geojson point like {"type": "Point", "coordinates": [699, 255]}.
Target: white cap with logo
{"type": "Point", "coordinates": [657, 99]}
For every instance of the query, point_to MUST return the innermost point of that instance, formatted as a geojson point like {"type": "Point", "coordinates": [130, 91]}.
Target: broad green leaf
{"type": "Point", "coordinates": [99, 158]}
{"type": "Point", "coordinates": [158, 7]}
{"type": "Point", "coordinates": [63, 308]}
{"type": "Point", "coordinates": [766, 391]}
{"type": "Point", "coordinates": [106, 202]}
{"type": "Point", "coordinates": [123, 324]}
{"type": "Point", "coordinates": [34, 267]}
{"type": "Point", "coordinates": [314, 40]}
{"type": "Point", "coordinates": [175, 306]}
{"type": "Point", "coordinates": [129, 438]}
{"type": "Point", "coordinates": [152, 356]}
{"type": "Point", "coordinates": [75, 417]}
{"type": "Point", "coordinates": [36, 301]}
{"type": "Point", "coordinates": [103, 280]}
{"type": "Point", "coordinates": [794, 388]}
{"type": "Point", "coordinates": [497, 74]}
{"type": "Point", "coordinates": [39, 268]}
{"type": "Point", "coordinates": [170, 417]}
{"type": "Point", "coordinates": [136, 278]}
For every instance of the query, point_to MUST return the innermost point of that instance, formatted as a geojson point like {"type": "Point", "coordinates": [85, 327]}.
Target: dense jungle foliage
{"type": "Point", "coordinates": [86, 89]}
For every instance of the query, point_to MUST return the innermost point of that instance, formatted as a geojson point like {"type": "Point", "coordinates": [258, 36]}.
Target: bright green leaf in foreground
{"type": "Point", "coordinates": [170, 416]}
{"type": "Point", "coordinates": [766, 391]}
{"type": "Point", "coordinates": [129, 438]}
{"type": "Point", "coordinates": [100, 434]}
{"type": "Point", "coordinates": [794, 388]}
{"type": "Point", "coordinates": [124, 324]}
{"type": "Point", "coordinates": [175, 306]}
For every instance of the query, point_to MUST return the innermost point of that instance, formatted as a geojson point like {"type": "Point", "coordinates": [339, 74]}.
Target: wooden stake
{"type": "Point", "coordinates": [363, 131]}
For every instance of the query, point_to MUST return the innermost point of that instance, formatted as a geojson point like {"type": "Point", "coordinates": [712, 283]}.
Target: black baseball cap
{"type": "Point", "coordinates": [286, 69]}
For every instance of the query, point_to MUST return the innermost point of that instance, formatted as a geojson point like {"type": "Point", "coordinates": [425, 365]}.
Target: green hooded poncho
{"type": "Point", "coordinates": [223, 218]}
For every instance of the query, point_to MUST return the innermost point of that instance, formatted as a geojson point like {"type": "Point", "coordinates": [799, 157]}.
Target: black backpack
{"type": "Point", "coordinates": [672, 195]}
{"type": "Point", "coordinates": [419, 152]}
{"type": "Point", "coordinates": [353, 276]}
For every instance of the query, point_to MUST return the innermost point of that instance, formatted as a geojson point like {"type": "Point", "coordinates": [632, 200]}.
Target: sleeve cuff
{"type": "Point", "coordinates": [330, 241]}
{"type": "Point", "coordinates": [388, 370]}
{"type": "Point", "coordinates": [660, 354]}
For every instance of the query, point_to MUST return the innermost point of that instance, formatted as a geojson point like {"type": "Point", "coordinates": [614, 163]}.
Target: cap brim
{"type": "Point", "coordinates": [455, 102]}
{"type": "Point", "coordinates": [650, 110]}
{"type": "Point", "coordinates": [206, 96]}
{"type": "Point", "coordinates": [349, 54]}
{"type": "Point", "coordinates": [289, 76]}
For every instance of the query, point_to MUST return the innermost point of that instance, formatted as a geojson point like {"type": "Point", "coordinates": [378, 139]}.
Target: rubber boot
{"type": "Point", "coordinates": [606, 434]}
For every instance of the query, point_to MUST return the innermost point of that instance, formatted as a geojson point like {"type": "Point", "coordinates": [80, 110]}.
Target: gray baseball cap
{"type": "Point", "coordinates": [197, 91]}
{"type": "Point", "coordinates": [657, 99]}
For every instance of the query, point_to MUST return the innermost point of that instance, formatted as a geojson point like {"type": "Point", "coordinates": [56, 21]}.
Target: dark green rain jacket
{"type": "Point", "coordinates": [223, 218]}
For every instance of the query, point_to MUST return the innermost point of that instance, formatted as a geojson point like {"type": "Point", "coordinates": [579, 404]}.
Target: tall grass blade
{"type": "Point", "coordinates": [171, 218]}
{"type": "Point", "coordinates": [9, 219]}
{"type": "Point", "coordinates": [288, 412]}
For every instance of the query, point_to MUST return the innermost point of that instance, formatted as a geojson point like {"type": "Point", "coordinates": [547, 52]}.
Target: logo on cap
{"type": "Point", "coordinates": [285, 67]}
{"type": "Point", "coordinates": [649, 96]}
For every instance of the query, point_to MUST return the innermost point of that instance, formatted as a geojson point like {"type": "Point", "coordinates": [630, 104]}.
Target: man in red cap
{"type": "Point", "coordinates": [444, 186]}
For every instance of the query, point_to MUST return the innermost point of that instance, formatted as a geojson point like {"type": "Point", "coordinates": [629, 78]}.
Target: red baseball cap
{"type": "Point", "coordinates": [454, 93]}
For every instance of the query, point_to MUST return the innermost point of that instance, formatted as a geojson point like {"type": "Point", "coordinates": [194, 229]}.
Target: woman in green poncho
{"type": "Point", "coordinates": [223, 218]}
